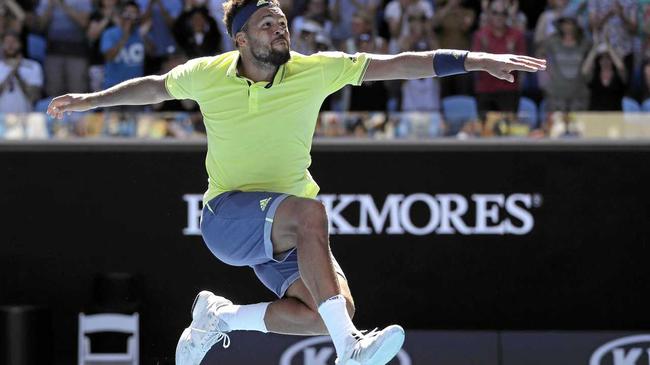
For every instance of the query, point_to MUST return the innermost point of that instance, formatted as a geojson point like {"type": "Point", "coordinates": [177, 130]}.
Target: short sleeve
{"type": "Point", "coordinates": [340, 69]}
{"type": "Point", "coordinates": [179, 81]}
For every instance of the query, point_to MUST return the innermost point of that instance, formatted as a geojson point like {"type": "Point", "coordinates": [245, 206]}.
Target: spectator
{"type": "Point", "coordinates": [396, 15]}
{"type": "Point", "coordinates": [102, 18]}
{"type": "Point", "coordinates": [363, 24]}
{"type": "Point", "coordinates": [453, 22]}
{"type": "Point", "coordinates": [546, 23]}
{"type": "Point", "coordinates": [578, 8]}
{"type": "Point", "coordinates": [567, 88]}
{"type": "Point", "coordinates": [615, 22]}
{"type": "Point", "coordinates": [372, 95]}
{"type": "Point", "coordinates": [216, 11]}
{"type": "Point", "coordinates": [363, 37]}
{"type": "Point", "coordinates": [163, 14]}
{"type": "Point", "coordinates": [515, 18]}
{"type": "Point", "coordinates": [341, 13]}
{"type": "Point", "coordinates": [607, 75]}
{"type": "Point", "coordinates": [422, 94]}
{"type": "Point", "coordinates": [197, 33]}
{"type": "Point", "coordinates": [124, 46]}
{"type": "Point", "coordinates": [304, 41]}
{"type": "Point", "coordinates": [497, 37]}
{"type": "Point", "coordinates": [22, 79]}
{"type": "Point", "coordinates": [66, 63]}
{"type": "Point", "coordinates": [185, 105]}
{"type": "Point", "coordinates": [316, 12]}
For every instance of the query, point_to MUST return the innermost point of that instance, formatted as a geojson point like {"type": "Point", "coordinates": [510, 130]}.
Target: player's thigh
{"type": "Point", "coordinates": [236, 227]}
{"type": "Point", "coordinates": [293, 214]}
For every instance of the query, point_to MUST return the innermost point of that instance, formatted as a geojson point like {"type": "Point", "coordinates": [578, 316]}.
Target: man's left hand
{"type": "Point", "coordinates": [501, 66]}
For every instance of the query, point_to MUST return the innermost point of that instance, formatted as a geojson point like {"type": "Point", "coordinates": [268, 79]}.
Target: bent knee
{"type": "Point", "coordinates": [311, 217]}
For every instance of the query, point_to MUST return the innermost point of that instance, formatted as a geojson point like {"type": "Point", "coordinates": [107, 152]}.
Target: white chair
{"type": "Point", "coordinates": [123, 323]}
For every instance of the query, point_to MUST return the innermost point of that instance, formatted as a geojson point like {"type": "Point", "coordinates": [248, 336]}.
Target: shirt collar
{"type": "Point", "coordinates": [277, 78]}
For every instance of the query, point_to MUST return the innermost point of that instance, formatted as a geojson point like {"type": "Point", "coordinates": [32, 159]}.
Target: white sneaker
{"type": "Point", "coordinates": [373, 348]}
{"type": "Point", "coordinates": [205, 330]}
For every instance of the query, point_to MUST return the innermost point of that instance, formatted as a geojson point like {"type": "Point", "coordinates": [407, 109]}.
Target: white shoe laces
{"type": "Point", "coordinates": [360, 335]}
{"type": "Point", "coordinates": [210, 334]}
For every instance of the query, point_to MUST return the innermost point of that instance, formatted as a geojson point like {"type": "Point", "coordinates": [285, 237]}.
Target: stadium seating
{"type": "Point", "coordinates": [457, 110]}
{"type": "Point", "coordinates": [646, 105]}
{"type": "Point", "coordinates": [630, 105]}
{"type": "Point", "coordinates": [527, 112]}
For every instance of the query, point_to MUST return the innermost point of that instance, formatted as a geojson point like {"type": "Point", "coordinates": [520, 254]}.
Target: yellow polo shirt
{"type": "Point", "coordinates": [260, 134]}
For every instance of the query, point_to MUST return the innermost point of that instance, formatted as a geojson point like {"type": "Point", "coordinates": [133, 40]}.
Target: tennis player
{"type": "Point", "coordinates": [260, 104]}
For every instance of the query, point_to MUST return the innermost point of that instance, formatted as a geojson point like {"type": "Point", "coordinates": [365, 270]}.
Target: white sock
{"type": "Point", "coordinates": [338, 322]}
{"type": "Point", "coordinates": [248, 317]}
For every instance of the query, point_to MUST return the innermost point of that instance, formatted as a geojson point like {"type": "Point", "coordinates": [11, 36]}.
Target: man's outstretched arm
{"type": "Point", "coordinates": [138, 91]}
{"type": "Point", "coordinates": [418, 65]}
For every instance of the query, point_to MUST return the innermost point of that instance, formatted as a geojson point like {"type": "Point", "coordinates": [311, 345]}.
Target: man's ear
{"type": "Point", "coordinates": [240, 39]}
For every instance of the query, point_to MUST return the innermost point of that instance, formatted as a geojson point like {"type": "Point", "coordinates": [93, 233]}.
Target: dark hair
{"type": "Point", "coordinates": [231, 7]}
{"type": "Point", "coordinates": [562, 19]}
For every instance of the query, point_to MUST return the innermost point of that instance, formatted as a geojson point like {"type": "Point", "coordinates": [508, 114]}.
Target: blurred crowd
{"type": "Point", "coordinates": [598, 50]}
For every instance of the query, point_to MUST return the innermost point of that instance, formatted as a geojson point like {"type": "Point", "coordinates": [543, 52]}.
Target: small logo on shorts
{"type": "Point", "coordinates": [264, 203]}
{"type": "Point", "coordinates": [262, 2]}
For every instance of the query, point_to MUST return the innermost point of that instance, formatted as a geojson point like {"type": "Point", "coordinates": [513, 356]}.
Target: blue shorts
{"type": "Point", "coordinates": [236, 227]}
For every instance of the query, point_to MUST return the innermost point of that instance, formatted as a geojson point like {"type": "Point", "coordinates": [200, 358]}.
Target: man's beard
{"type": "Point", "coordinates": [270, 55]}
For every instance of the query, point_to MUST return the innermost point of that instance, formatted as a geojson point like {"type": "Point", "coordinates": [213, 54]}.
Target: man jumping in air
{"type": "Point", "coordinates": [260, 104]}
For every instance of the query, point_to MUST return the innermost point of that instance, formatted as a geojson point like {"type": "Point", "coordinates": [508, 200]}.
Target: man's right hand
{"type": "Point", "coordinates": [68, 103]}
